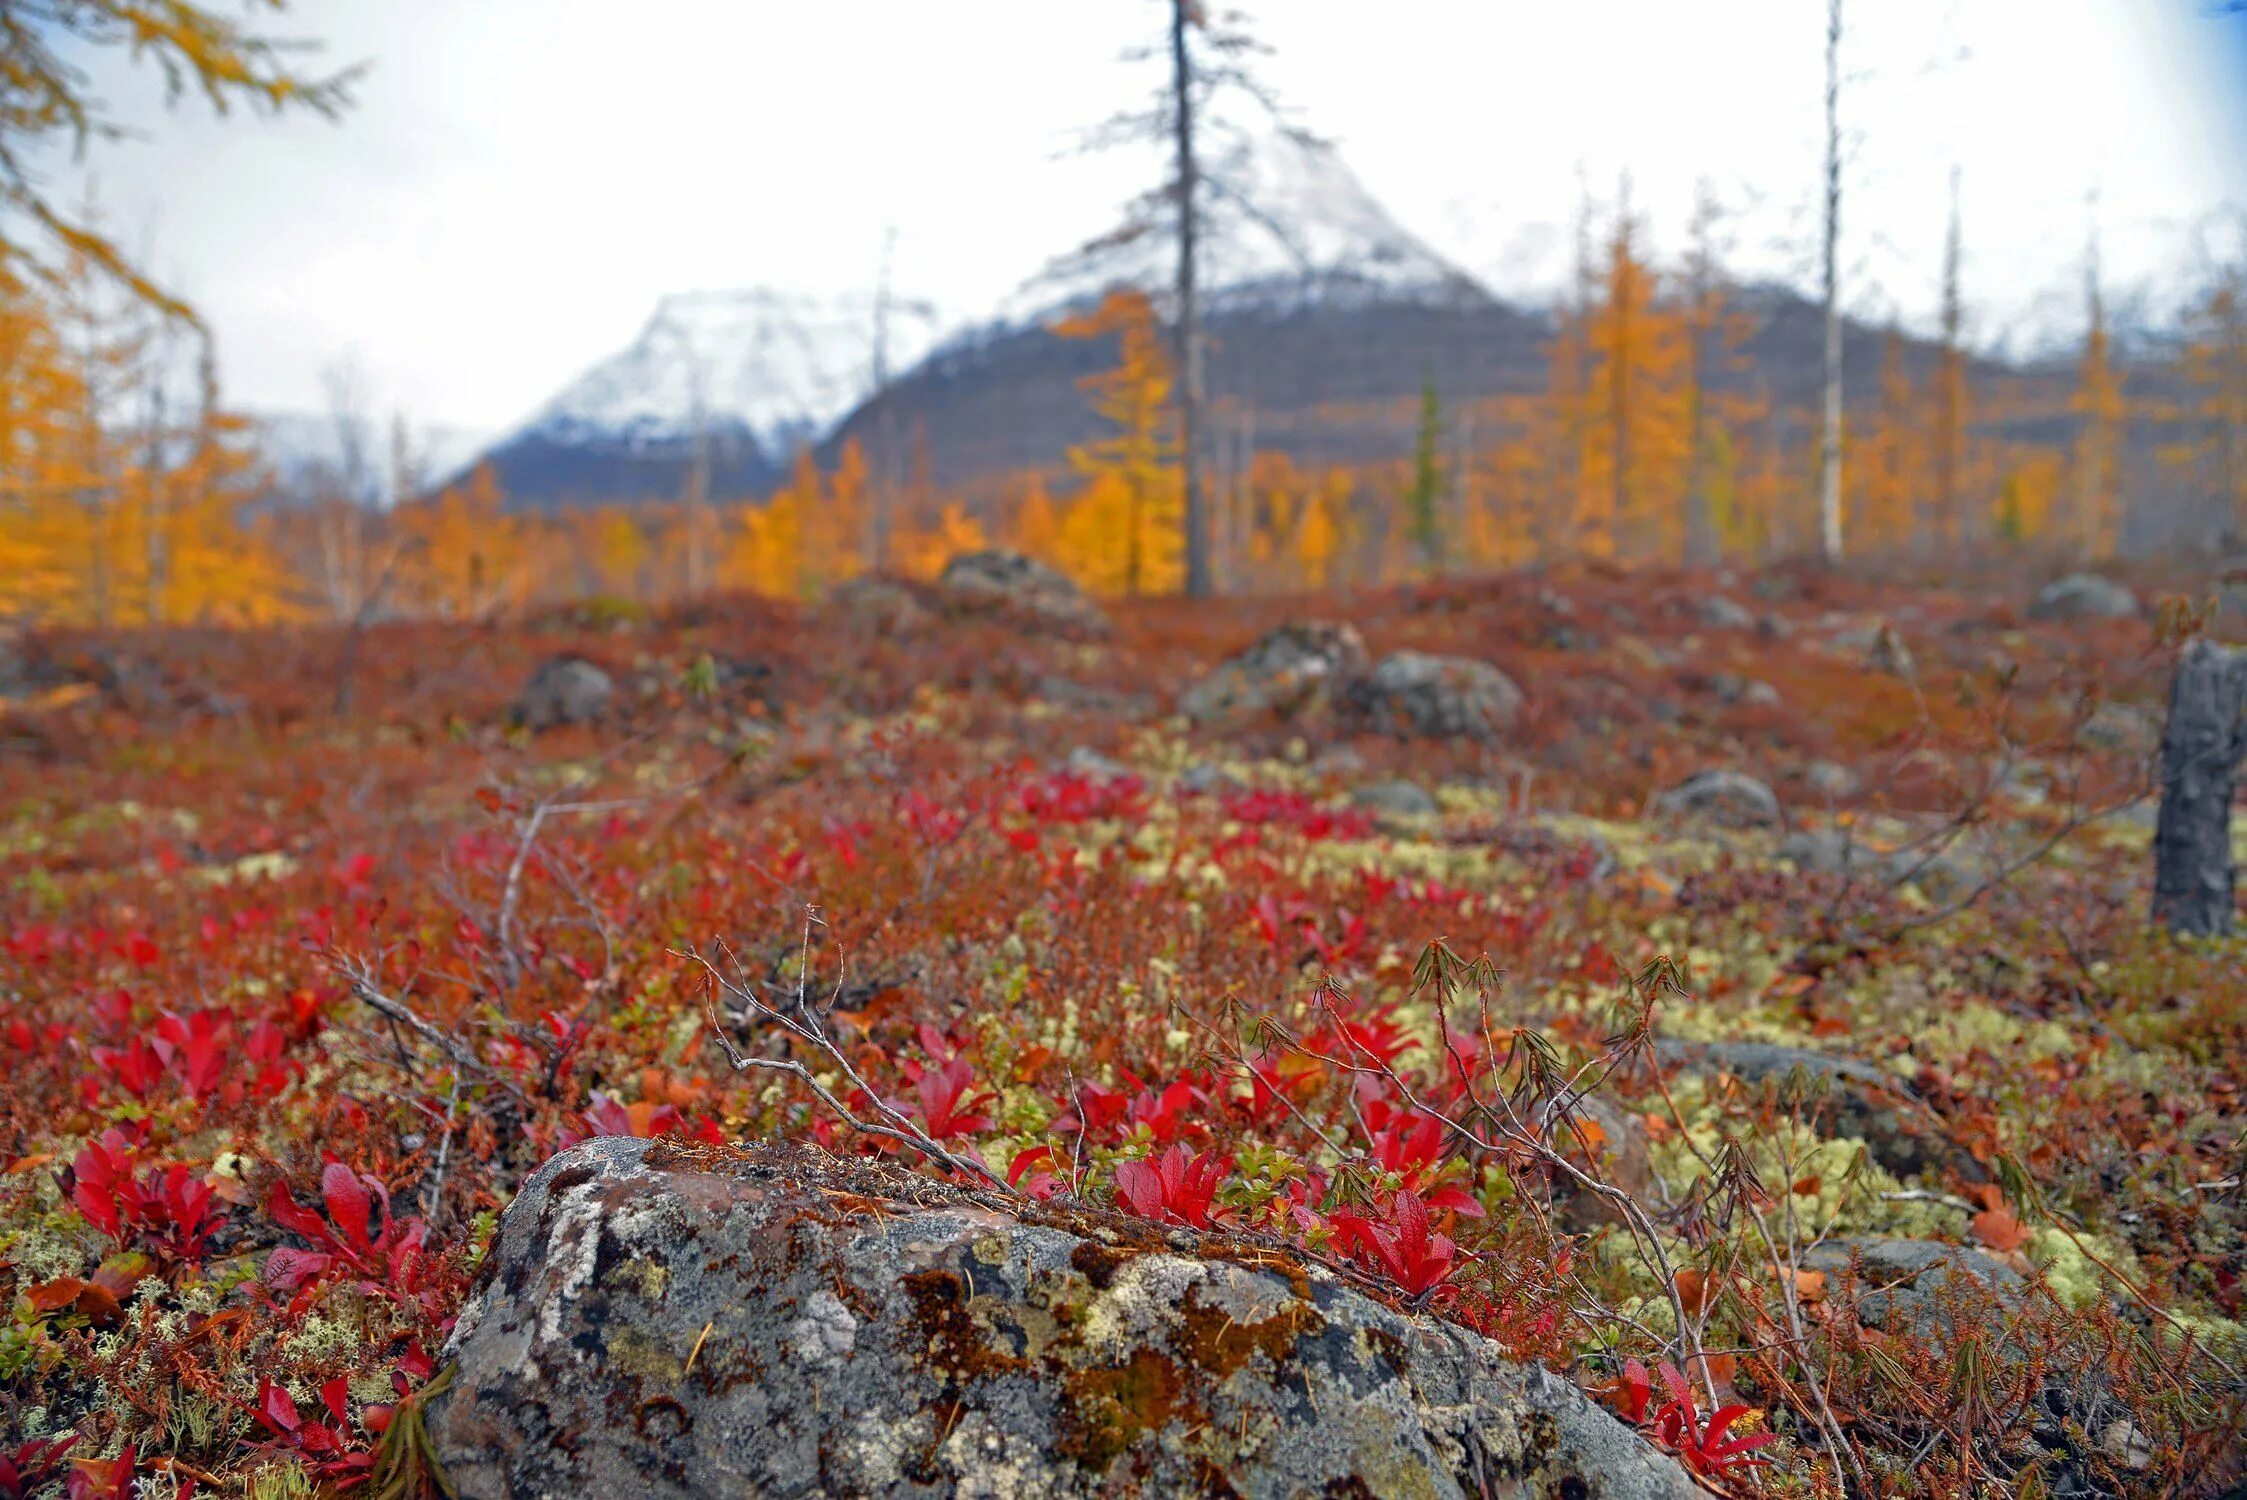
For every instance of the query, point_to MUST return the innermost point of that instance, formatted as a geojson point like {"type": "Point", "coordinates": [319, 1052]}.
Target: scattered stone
{"type": "Point", "coordinates": [670, 1320]}
{"type": "Point", "coordinates": [1205, 780]}
{"type": "Point", "coordinates": [1727, 797]}
{"type": "Point", "coordinates": [2120, 729]}
{"type": "Point", "coordinates": [2194, 879]}
{"type": "Point", "coordinates": [877, 606]}
{"type": "Point", "coordinates": [1719, 613]}
{"type": "Point", "coordinates": [1827, 851]}
{"type": "Point", "coordinates": [1281, 673]}
{"type": "Point", "coordinates": [1569, 638]}
{"type": "Point", "coordinates": [1773, 627]}
{"type": "Point", "coordinates": [1021, 590]}
{"type": "Point", "coordinates": [1411, 693]}
{"type": "Point", "coordinates": [1776, 588]}
{"type": "Point", "coordinates": [1086, 697]}
{"type": "Point", "coordinates": [1830, 779]}
{"type": "Point", "coordinates": [564, 690]}
{"type": "Point", "coordinates": [1738, 691]}
{"type": "Point", "coordinates": [1402, 799]}
{"type": "Point", "coordinates": [1338, 760]}
{"type": "Point", "coordinates": [1851, 1098]}
{"type": "Point", "coordinates": [1901, 1281]}
{"type": "Point", "coordinates": [1090, 764]}
{"type": "Point", "coordinates": [2084, 596]}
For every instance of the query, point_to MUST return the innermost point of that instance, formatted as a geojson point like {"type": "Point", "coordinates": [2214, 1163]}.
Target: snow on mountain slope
{"type": "Point", "coordinates": [1285, 222]}
{"type": "Point", "coordinates": [781, 367]}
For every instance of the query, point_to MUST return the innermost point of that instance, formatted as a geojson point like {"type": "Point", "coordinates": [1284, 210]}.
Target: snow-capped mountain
{"type": "Point", "coordinates": [759, 373]}
{"type": "Point", "coordinates": [1284, 222]}
{"type": "Point", "coordinates": [781, 367]}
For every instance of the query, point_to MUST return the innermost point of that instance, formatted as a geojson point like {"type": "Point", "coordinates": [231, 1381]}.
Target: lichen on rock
{"type": "Point", "coordinates": [831, 1326]}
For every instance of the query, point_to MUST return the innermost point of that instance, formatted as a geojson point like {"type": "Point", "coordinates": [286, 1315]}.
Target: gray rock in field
{"type": "Point", "coordinates": [1020, 591]}
{"type": "Point", "coordinates": [1748, 691]}
{"type": "Point", "coordinates": [564, 690]}
{"type": "Point", "coordinates": [1090, 764]}
{"type": "Point", "coordinates": [1282, 672]}
{"type": "Point", "coordinates": [1848, 1098]}
{"type": "Point", "coordinates": [1830, 779]}
{"type": "Point", "coordinates": [1901, 1282]}
{"type": "Point", "coordinates": [671, 1320]}
{"type": "Point", "coordinates": [2084, 596]}
{"type": "Point", "coordinates": [1412, 694]}
{"type": "Point", "coordinates": [1723, 797]}
{"type": "Point", "coordinates": [876, 606]}
{"type": "Point", "coordinates": [1403, 799]}
{"type": "Point", "coordinates": [1206, 780]}
{"type": "Point", "coordinates": [1719, 613]}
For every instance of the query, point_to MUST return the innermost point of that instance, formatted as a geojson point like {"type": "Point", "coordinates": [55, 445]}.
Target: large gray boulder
{"type": "Point", "coordinates": [1412, 694]}
{"type": "Point", "coordinates": [564, 690]}
{"type": "Point", "coordinates": [1281, 673]}
{"type": "Point", "coordinates": [668, 1320]}
{"type": "Point", "coordinates": [2084, 596]}
{"type": "Point", "coordinates": [1020, 590]}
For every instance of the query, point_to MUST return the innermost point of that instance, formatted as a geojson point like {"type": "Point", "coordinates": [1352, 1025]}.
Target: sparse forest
{"type": "Point", "coordinates": [1638, 902]}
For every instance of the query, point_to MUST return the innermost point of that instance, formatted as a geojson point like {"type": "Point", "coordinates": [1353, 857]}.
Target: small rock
{"type": "Point", "coordinates": [1901, 1281]}
{"type": "Point", "coordinates": [1850, 1098]}
{"type": "Point", "coordinates": [1338, 760]}
{"type": "Point", "coordinates": [2084, 596]}
{"type": "Point", "coordinates": [564, 690]}
{"type": "Point", "coordinates": [1773, 627]}
{"type": "Point", "coordinates": [1775, 588]}
{"type": "Point", "coordinates": [1719, 613]}
{"type": "Point", "coordinates": [1280, 673]}
{"type": "Point", "coordinates": [877, 606]}
{"type": "Point", "coordinates": [1830, 780]}
{"type": "Point", "coordinates": [1205, 780]}
{"type": "Point", "coordinates": [1747, 691]}
{"type": "Point", "coordinates": [2120, 729]}
{"type": "Point", "coordinates": [1722, 796]}
{"type": "Point", "coordinates": [1826, 851]}
{"type": "Point", "coordinates": [1021, 590]}
{"type": "Point", "coordinates": [1412, 693]}
{"type": "Point", "coordinates": [1403, 799]}
{"type": "Point", "coordinates": [1086, 762]}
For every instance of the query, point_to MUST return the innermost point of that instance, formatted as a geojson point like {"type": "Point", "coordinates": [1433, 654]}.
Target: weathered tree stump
{"type": "Point", "coordinates": [2194, 882]}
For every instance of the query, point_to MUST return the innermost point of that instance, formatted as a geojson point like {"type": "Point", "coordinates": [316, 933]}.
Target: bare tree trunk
{"type": "Point", "coordinates": [1950, 386]}
{"type": "Point", "coordinates": [2194, 882]}
{"type": "Point", "coordinates": [879, 519]}
{"type": "Point", "coordinates": [1189, 311]}
{"type": "Point", "coordinates": [1700, 521]}
{"type": "Point", "coordinates": [1829, 435]}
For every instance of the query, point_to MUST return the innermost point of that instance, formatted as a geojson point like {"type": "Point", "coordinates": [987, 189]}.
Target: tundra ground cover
{"type": "Point", "coordinates": [293, 1000]}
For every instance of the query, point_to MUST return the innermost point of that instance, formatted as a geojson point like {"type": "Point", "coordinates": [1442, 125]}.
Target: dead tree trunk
{"type": "Point", "coordinates": [2193, 878]}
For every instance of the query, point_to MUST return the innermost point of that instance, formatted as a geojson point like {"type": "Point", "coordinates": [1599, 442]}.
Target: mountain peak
{"type": "Point", "coordinates": [780, 367]}
{"type": "Point", "coordinates": [1287, 222]}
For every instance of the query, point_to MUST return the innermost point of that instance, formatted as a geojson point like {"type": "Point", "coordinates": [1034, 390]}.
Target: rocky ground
{"type": "Point", "coordinates": [1078, 1042]}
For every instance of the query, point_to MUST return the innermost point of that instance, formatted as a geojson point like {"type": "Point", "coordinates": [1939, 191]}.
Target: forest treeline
{"type": "Point", "coordinates": [129, 494]}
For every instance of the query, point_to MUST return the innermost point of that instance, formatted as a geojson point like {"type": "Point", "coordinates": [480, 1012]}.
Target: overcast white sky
{"type": "Point", "coordinates": [523, 178]}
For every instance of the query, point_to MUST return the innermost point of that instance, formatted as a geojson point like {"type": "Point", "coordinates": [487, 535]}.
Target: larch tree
{"type": "Point", "coordinates": [1205, 56]}
{"type": "Point", "coordinates": [1134, 473]}
{"type": "Point", "coordinates": [1424, 496]}
{"type": "Point", "coordinates": [47, 105]}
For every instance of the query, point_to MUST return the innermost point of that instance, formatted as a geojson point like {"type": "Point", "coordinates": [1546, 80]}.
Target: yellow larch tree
{"type": "Point", "coordinates": [1134, 503]}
